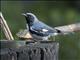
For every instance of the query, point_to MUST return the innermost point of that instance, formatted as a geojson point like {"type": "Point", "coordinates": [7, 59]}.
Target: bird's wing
{"type": "Point", "coordinates": [40, 27]}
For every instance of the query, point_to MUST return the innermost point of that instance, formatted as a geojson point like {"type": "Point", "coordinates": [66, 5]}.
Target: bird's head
{"type": "Point", "coordinates": [31, 18]}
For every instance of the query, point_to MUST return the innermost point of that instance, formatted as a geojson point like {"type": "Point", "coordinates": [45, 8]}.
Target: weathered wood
{"type": "Point", "coordinates": [30, 50]}
{"type": "Point", "coordinates": [5, 28]}
{"type": "Point", "coordinates": [69, 28]}
{"type": "Point", "coordinates": [24, 34]}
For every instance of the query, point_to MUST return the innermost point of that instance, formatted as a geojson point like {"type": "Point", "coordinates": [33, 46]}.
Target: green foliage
{"type": "Point", "coordinates": [53, 14]}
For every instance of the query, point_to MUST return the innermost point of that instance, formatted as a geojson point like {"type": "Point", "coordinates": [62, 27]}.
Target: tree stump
{"type": "Point", "coordinates": [29, 50]}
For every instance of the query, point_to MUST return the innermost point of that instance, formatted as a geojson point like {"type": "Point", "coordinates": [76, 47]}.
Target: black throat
{"type": "Point", "coordinates": [29, 21]}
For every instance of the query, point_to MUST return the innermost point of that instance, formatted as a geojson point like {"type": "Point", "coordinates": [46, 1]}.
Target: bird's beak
{"type": "Point", "coordinates": [24, 14]}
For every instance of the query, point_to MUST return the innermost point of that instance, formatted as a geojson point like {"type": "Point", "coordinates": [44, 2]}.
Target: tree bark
{"type": "Point", "coordinates": [22, 50]}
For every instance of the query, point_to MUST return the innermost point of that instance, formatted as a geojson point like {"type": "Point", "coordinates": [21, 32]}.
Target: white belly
{"type": "Point", "coordinates": [39, 37]}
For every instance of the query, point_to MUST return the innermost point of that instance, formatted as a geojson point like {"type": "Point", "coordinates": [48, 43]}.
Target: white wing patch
{"type": "Point", "coordinates": [44, 30]}
{"type": "Point", "coordinates": [39, 30]}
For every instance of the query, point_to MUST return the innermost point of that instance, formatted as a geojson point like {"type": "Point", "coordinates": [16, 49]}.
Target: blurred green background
{"type": "Point", "coordinates": [53, 13]}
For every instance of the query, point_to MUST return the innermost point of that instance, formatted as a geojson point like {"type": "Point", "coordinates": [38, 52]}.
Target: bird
{"type": "Point", "coordinates": [38, 29]}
